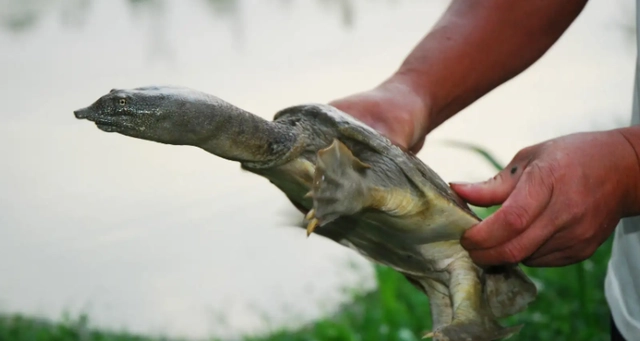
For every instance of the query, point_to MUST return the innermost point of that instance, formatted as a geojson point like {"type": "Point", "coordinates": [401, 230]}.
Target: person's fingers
{"type": "Point", "coordinates": [497, 189]}
{"type": "Point", "coordinates": [562, 240]}
{"type": "Point", "coordinates": [491, 192]}
{"type": "Point", "coordinates": [514, 250]}
{"type": "Point", "coordinates": [576, 241]}
{"type": "Point", "coordinates": [418, 145]}
{"type": "Point", "coordinates": [568, 255]}
{"type": "Point", "coordinates": [524, 205]}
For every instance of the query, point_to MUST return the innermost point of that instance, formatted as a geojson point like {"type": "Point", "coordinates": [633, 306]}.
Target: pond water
{"type": "Point", "coordinates": [166, 240]}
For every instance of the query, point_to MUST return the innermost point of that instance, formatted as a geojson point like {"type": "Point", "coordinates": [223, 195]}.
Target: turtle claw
{"type": "Point", "coordinates": [310, 215]}
{"type": "Point", "coordinates": [313, 224]}
{"type": "Point", "coordinates": [428, 335]}
{"type": "Point", "coordinates": [313, 221]}
{"type": "Point", "coordinates": [436, 335]}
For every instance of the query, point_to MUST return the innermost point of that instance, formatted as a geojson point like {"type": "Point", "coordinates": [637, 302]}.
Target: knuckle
{"type": "Point", "coordinates": [513, 253]}
{"type": "Point", "coordinates": [571, 259]}
{"type": "Point", "coordinates": [542, 175]}
{"type": "Point", "coordinates": [571, 214]}
{"type": "Point", "coordinates": [576, 254]}
{"type": "Point", "coordinates": [580, 234]}
{"type": "Point", "coordinates": [515, 217]}
{"type": "Point", "coordinates": [524, 153]}
{"type": "Point", "coordinates": [586, 252]}
{"type": "Point", "coordinates": [585, 236]}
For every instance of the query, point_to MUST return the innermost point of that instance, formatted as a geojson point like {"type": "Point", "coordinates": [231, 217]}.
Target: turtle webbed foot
{"type": "Point", "coordinates": [339, 186]}
{"type": "Point", "coordinates": [474, 330]}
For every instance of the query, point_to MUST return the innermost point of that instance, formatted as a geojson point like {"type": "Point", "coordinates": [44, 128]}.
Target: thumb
{"type": "Point", "coordinates": [490, 192]}
{"type": "Point", "coordinates": [418, 145]}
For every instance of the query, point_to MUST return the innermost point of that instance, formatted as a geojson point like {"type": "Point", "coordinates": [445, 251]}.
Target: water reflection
{"type": "Point", "coordinates": [344, 7]}
{"type": "Point", "coordinates": [21, 16]}
{"type": "Point", "coordinates": [223, 7]}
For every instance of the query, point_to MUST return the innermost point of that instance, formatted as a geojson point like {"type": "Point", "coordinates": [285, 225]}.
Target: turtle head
{"type": "Point", "coordinates": [161, 114]}
{"type": "Point", "coordinates": [182, 116]}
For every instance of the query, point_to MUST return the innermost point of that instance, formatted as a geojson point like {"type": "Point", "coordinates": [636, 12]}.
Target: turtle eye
{"type": "Point", "coordinates": [122, 102]}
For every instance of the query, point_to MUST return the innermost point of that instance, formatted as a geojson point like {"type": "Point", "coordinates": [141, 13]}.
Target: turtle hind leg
{"type": "Point", "coordinates": [339, 186]}
{"type": "Point", "coordinates": [439, 302]}
{"type": "Point", "coordinates": [466, 331]}
{"type": "Point", "coordinates": [472, 318]}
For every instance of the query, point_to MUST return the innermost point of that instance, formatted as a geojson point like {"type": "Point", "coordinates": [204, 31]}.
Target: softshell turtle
{"type": "Point", "coordinates": [358, 188]}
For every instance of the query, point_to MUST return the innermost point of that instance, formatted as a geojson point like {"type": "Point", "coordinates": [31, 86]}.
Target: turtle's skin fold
{"type": "Point", "coordinates": [358, 188]}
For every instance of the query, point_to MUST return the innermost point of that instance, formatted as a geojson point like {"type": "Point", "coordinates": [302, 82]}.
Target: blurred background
{"type": "Point", "coordinates": [107, 237]}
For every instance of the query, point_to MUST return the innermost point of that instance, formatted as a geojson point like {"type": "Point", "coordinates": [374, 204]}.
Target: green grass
{"type": "Point", "coordinates": [570, 306]}
{"type": "Point", "coordinates": [21, 328]}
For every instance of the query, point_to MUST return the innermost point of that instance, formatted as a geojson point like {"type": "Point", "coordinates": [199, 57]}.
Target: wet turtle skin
{"type": "Point", "coordinates": [357, 188]}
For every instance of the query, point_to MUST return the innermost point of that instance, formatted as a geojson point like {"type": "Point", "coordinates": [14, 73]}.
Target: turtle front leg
{"type": "Point", "coordinates": [338, 186]}
{"type": "Point", "coordinates": [472, 318]}
{"type": "Point", "coordinates": [341, 187]}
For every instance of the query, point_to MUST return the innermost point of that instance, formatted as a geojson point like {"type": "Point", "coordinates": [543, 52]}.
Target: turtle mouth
{"type": "Point", "coordinates": [119, 124]}
{"type": "Point", "coordinates": [106, 125]}
{"type": "Point", "coordinates": [110, 123]}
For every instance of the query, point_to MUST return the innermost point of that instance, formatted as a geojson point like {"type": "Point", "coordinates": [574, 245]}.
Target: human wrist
{"type": "Point", "coordinates": [393, 108]}
{"type": "Point", "coordinates": [630, 142]}
{"type": "Point", "coordinates": [413, 90]}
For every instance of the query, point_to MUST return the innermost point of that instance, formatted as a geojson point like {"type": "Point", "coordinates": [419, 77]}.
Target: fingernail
{"type": "Point", "coordinates": [463, 183]}
{"type": "Point", "coordinates": [467, 241]}
{"type": "Point", "coordinates": [468, 244]}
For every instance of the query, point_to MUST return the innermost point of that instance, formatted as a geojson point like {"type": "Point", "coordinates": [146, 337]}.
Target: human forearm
{"type": "Point", "coordinates": [478, 45]}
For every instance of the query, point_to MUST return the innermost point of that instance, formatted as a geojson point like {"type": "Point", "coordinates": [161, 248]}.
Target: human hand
{"type": "Point", "coordinates": [393, 109]}
{"type": "Point", "coordinates": [561, 200]}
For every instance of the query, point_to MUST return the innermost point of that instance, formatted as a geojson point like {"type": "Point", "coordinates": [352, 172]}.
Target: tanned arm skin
{"type": "Point", "coordinates": [474, 47]}
{"type": "Point", "coordinates": [561, 198]}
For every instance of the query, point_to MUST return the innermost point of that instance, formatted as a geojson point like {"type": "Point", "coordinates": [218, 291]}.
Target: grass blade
{"type": "Point", "coordinates": [479, 150]}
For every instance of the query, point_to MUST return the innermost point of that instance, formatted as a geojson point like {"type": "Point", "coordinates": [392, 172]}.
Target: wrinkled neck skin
{"type": "Point", "coordinates": [181, 116]}
{"type": "Point", "coordinates": [237, 135]}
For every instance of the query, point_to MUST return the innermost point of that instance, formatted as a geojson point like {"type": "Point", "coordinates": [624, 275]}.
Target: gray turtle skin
{"type": "Point", "coordinates": [357, 188]}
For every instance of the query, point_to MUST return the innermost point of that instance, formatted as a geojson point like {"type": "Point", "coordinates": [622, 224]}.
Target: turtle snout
{"type": "Point", "coordinates": [83, 113]}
